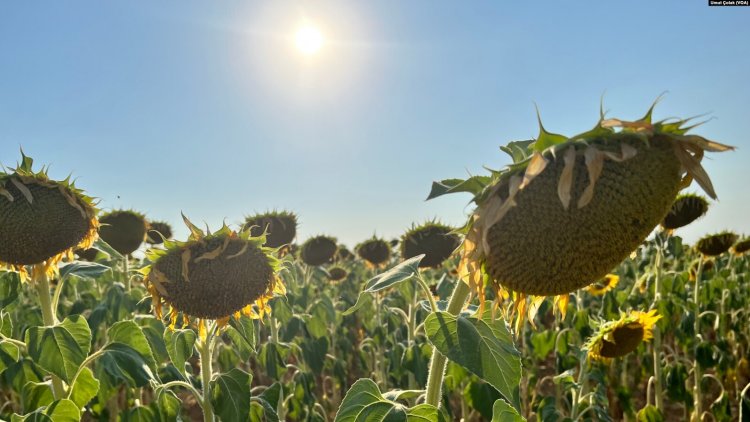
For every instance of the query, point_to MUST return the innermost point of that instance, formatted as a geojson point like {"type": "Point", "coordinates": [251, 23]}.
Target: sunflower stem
{"type": "Point", "coordinates": [41, 283]}
{"type": "Point", "coordinates": [696, 366]}
{"type": "Point", "coordinates": [205, 348]}
{"type": "Point", "coordinates": [659, 402]}
{"type": "Point", "coordinates": [438, 361]}
{"type": "Point", "coordinates": [125, 270]}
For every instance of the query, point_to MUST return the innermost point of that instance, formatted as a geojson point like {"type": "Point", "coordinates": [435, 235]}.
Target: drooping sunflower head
{"type": "Point", "coordinates": [337, 273]}
{"type": "Point", "coordinates": [708, 266]}
{"type": "Point", "coordinates": [436, 241]}
{"type": "Point", "coordinates": [742, 246]}
{"type": "Point", "coordinates": [569, 209]}
{"type": "Point", "coordinates": [685, 209]}
{"type": "Point", "coordinates": [716, 244]}
{"type": "Point", "coordinates": [42, 220]}
{"type": "Point", "coordinates": [88, 254]}
{"type": "Point", "coordinates": [318, 250]}
{"type": "Point", "coordinates": [213, 275]}
{"type": "Point", "coordinates": [343, 254]}
{"type": "Point", "coordinates": [376, 252]}
{"type": "Point", "coordinates": [604, 285]}
{"type": "Point", "coordinates": [158, 232]}
{"type": "Point", "coordinates": [124, 230]}
{"type": "Point", "coordinates": [617, 338]}
{"type": "Point", "coordinates": [280, 227]}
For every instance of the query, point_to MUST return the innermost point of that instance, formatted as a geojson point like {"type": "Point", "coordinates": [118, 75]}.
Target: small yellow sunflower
{"type": "Point", "coordinates": [615, 339]}
{"type": "Point", "coordinates": [213, 276]}
{"type": "Point", "coordinates": [42, 220]}
{"type": "Point", "coordinates": [606, 284]}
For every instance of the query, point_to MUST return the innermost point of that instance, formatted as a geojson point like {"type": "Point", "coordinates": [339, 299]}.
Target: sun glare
{"type": "Point", "coordinates": [308, 40]}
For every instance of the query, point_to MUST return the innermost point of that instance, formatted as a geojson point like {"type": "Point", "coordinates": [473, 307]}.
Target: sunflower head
{"type": "Point", "coordinates": [88, 254]}
{"type": "Point", "coordinates": [124, 230]}
{"type": "Point", "coordinates": [376, 252]}
{"type": "Point", "coordinates": [213, 275]}
{"type": "Point", "coordinates": [604, 285]}
{"type": "Point", "coordinates": [742, 246]}
{"type": "Point", "coordinates": [343, 254]}
{"type": "Point", "coordinates": [280, 227]}
{"type": "Point", "coordinates": [569, 209]}
{"type": "Point", "coordinates": [618, 338]}
{"type": "Point", "coordinates": [318, 250]}
{"type": "Point", "coordinates": [337, 273]}
{"type": "Point", "coordinates": [685, 209]}
{"type": "Point", "coordinates": [158, 232]}
{"type": "Point", "coordinates": [708, 266]}
{"type": "Point", "coordinates": [42, 220]}
{"type": "Point", "coordinates": [716, 244]}
{"type": "Point", "coordinates": [436, 241]}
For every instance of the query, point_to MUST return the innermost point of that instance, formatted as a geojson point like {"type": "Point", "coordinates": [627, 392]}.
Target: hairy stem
{"type": "Point", "coordinates": [41, 283]}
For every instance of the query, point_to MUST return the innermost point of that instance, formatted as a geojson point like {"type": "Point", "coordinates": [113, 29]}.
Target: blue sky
{"type": "Point", "coordinates": [207, 107]}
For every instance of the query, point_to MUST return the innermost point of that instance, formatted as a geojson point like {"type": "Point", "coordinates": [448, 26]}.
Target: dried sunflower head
{"type": "Point", "coordinates": [617, 338]}
{"type": "Point", "coordinates": [569, 209]}
{"type": "Point", "coordinates": [124, 230]}
{"type": "Point", "coordinates": [604, 285]}
{"type": "Point", "coordinates": [318, 250]}
{"type": "Point", "coordinates": [280, 227]}
{"type": "Point", "coordinates": [158, 232]}
{"type": "Point", "coordinates": [716, 244]}
{"type": "Point", "coordinates": [337, 273]}
{"type": "Point", "coordinates": [436, 241]}
{"type": "Point", "coordinates": [685, 209]}
{"type": "Point", "coordinates": [42, 220]}
{"type": "Point", "coordinates": [213, 275]}
{"type": "Point", "coordinates": [376, 252]}
{"type": "Point", "coordinates": [741, 246]}
{"type": "Point", "coordinates": [343, 254]}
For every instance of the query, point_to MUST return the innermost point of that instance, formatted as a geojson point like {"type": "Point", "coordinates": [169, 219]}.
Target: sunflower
{"type": "Point", "coordinates": [213, 276]}
{"type": "Point", "coordinates": [318, 250]}
{"type": "Point", "coordinates": [615, 339]}
{"type": "Point", "coordinates": [343, 254]}
{"type": "Point", "coordinates": [708, 266]}
{"type": "Point", "coordinates": [337, 273]}
{"type": "Point", "coordinates": [158, 232]}
{"type": "Point", "coordinates": [436, 241]}
{"type": "Point", "coordinates": [569, 209]}
{"type": "Point", "coordinates": [376, 252]}
{"type": "Point", "coordinates": [685, 209]}
{"type": "Point", "coordinates": [716, 244]}
{"type": "Point", "coordinates": [741, 246]}
{"type": "Point", "coordinates": [280, 227]}
{"type": "Point", "coordinates": [124, 230]}
{"type": "Point", "coordinates": [42, 220]}
{"type": "Point", "coordinates": [604, 285]}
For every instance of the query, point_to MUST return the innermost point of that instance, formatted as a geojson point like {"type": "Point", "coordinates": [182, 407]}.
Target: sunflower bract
{"type": "Point", "coordinates": [318, 250]}
{"type": "Point", "coordinates": [158, 231]}
{"type": "Point", "coordinates": [436, 241]}
{"type": "Point", "coordinates": [280, 227]}
{"type": "Point", "coordinates": [214, 277]}
{"type": "Point", "coordinates": [124, 230]}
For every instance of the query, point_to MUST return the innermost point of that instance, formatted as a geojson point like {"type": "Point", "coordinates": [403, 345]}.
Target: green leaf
{"type": "Point", "coordinates": [36, 395]}
{"type": "Point", "coordinates": [60, 349]}
{"type": "Point", "coordinates": [109, 250]}
{"type": "Point", "coordinates": [85, 388]}
{"type": "Point", "coordinates": [474, 185]}
{"type": "Point", "coordinates": [6, 324]}
{"type": "Point", "coordinates": [10, 286]}
{"type": "Point", "coordinates": [484, 347]}
{"type": "Point", "coordinates": [503, 412]}
{"type": "Point", "coordinates": [83, 269]}
{"type": "Point", "coordinates": [364, 403]}
{"type": "Point", "coordinates": [245, 327]}
{"type": "Point", "coordinates": [363, 299]}
{"type": "Point", "coordinates": [230, 395]}
{"type": "Point", "coordinates": [314, 352]}
{"type": "Point", "coordinates": [649, 414]}
{"type": "Point", "coordinates": [130, 334]}
{"type": "Point", "coordinates": [269, 401]}
{"type": "Point", "coordinates": [59, 411]}
{"type": "Point", "coordinates": [125, 364]}
{"type": "Point", "coordinates": [9, 354]}
{"type": "Point", "coordinates": [180, 347]}
{"type": "Point", "coordinates": [518, 150]}
{"type": "Point", "coordinates": [401, 272]}
{"type": "Point", "coordinates": [168, 405]}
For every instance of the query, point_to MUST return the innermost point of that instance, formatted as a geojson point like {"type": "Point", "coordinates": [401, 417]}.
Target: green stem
{"type": "Point", "coordinates": [41, 283]}
{"type": "Point", "coordinates": [126, 270]}
{"type": "Point", "coordinates": [411, 335]}
{"type": "Point", "coordinates": [696, 368]}
{"type": "Point", "coordinates": [206, 362]}
{"type": "Point", "coordinates": [428, 293]}
{"type": "Point", "coordinates": [438, 361]}
{"type": "Point", "coordinates": [192, 389]}
{"type": "Point", "coordinates": [657, 332]}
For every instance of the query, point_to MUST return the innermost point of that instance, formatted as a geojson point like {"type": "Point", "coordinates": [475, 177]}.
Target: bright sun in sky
{"type": "Point", "coordinates": [308, 40]}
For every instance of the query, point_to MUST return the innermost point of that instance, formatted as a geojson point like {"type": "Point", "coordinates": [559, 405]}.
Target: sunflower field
{"type": "Point", "coordinates": [568, 295]}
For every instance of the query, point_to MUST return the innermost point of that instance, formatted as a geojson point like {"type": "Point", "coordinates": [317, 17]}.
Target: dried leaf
{"type": "Point", "coordinates": [24, 190]}
{"type": "Point", "coordinates": [594, 164]}
{"type": "Point", "coordinates": [565, 184]}
{"type": "Point", "coordinates": [537, 165]}
{"type": "Point", "coordinates": [693, 167]}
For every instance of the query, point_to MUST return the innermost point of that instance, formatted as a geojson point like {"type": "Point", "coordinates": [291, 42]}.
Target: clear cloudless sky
{"type": "Point", "coordinates": [208, 108]}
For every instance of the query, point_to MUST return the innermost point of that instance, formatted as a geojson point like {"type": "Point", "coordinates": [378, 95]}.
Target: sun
{"type": "Point", "coordinates": [308, 40]}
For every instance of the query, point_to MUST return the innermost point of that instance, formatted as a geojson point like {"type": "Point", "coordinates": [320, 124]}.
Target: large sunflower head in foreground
{"type": "Point", "coordinates": [716, 244]}
{"type": "Point", "coordinates": [615, 339]}
{"type": "Point", "coordinates": [213, 276]}
{"type": "Point", "coordinates": [569, 209]}
{"type": "Point", "coordinates": [318, 250]}
{"type": "Point", "coordinates": [42, 220]}
{"type": "Point", "coordinates": [376, 252]}
{"type": "Point", "coordinates": [280, 227]}
{"type": "Point", "coordinates": [124, 230]}
{"type": "Point", "coordinates": [436, 241]}
{"type": "Point", "coordinates": [685, 209]}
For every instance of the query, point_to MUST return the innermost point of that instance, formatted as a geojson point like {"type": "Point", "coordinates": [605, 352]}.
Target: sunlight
{"type": "Point", "coordinates": [308, 40]}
